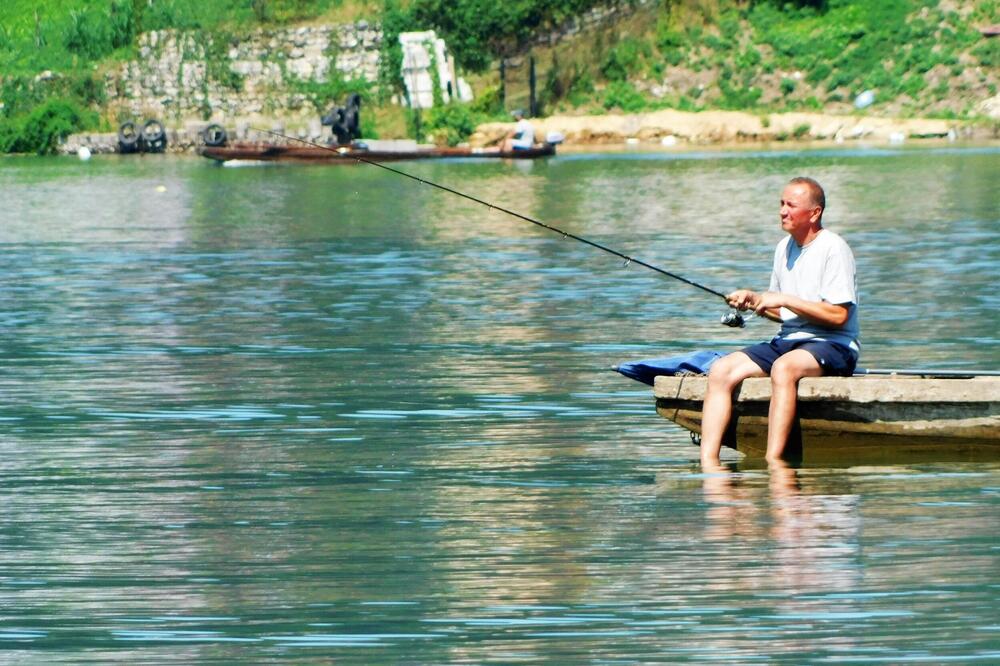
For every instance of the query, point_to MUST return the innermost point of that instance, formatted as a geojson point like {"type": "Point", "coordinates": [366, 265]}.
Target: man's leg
{"type": "Point", "coordinates": [785, 375]}
{"type": "Point", "coordinates": [723, 377]}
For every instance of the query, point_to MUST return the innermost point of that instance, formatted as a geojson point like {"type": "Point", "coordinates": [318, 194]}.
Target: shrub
{"type": "Point", "coordinates": [736, 97]}
{"type": "Point", "coordinates": [622, 95]}
{"type": "Point", "coordinates": [624, 59]}
{"type": "Point", "coordinates": [581, 87]}
{"type": "Point", "coordinates": [41, 130]}
{"type": "Point", "coordinates": [562, 81]}
{"type": "Point", "coordinates": [163, 14]}
{"type": "Point", "coordinates": [477, 31]}
{"type": "Point", "coordinates": [748, 59]}
{"type": "Point", "coordinates": [487, 102]}
{"type": "Point", "coordinates": [93, 33]}
{"type": "Point", "coordinates": [670, 43]}
{"type": "Point", "coordinates": [819, 73]}
{"type": "Point", "coordinates": [334, 91]}
{"type": "Point", "coordinates": [912, 85]}
{"type": "Point", "coordinates": [988, 53]}
{"type": "Point", "coordinates": [453, 123]}
{"type": "Point", "coordinates": [21, 95]}
{"type": "Point", "coordinates": [729, 26]}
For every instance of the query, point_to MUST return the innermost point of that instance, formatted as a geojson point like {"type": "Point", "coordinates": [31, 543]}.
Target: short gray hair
{"type": "Point", "coordinates": [815, 190]}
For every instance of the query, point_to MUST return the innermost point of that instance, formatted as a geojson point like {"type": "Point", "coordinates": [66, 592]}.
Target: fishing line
{"type": "Point", "coordinates": [733, 319]}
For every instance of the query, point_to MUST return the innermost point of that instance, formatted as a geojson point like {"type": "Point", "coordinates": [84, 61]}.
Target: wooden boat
{"type": "Point", "coordinates": [860, 417]}
{"type": "Point", "coordinates": [267, 152]}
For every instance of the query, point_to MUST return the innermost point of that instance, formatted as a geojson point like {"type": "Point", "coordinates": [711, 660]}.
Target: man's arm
{"type": "Point", "coordinates": [818, 312]}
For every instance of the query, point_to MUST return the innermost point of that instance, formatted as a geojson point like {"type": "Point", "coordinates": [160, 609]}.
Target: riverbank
{"type": "Point", "coordinates": [668, 127]}
{"type": "Point", "coordinates": [665, 128]}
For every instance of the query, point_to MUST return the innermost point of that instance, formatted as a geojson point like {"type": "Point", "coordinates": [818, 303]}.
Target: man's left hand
{"type": "Point", "coordinates": [769, 300]}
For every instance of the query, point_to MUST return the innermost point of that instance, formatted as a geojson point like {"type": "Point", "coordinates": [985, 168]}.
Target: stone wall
{"type": "Point", "coordinates": [596, 17]}
{"type": "Point", "coordinates": [183, 78]}
{"type": "Point", "coordinates": [186, 78]}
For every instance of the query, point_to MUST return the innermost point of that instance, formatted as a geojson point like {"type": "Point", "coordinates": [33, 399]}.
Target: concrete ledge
{"type": "Point", "coordinates": [882, 389]}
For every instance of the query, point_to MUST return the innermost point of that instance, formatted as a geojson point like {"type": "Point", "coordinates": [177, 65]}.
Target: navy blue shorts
{"type": "Point", "coordinates": [835, 359]}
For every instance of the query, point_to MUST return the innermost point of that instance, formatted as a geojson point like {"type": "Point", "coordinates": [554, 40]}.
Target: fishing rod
{"type": "Point", "coordinates": [732, 319]}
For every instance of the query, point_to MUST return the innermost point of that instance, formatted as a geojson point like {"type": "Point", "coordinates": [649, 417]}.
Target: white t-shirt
{"type": "Point", "coordinates": [524, 134]}
{"type": "Point", "coordinates": [822, 270]}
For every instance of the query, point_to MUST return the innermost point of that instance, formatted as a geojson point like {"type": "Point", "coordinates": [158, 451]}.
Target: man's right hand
{"type": "Point", "coordinates": [743, 299]}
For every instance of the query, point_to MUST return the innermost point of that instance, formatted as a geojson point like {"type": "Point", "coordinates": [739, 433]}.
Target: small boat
{"type": "Point", "coordinates": [267, 152]}
{"type": "Point", "coordinates": [853, 418]}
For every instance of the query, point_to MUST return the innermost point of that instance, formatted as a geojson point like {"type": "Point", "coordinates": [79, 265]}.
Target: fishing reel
{"type": "Point", "coordinates": [733, 320]}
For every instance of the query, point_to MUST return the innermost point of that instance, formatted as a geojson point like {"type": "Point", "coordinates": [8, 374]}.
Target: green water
{"type": "Point", "coordinates": [328, 415]}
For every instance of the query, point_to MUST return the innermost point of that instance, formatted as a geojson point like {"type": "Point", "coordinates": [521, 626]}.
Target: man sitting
{"type": "Point", "coordinates": [523, 136]}
{"type": "Point", "coordinates": [813, 294]}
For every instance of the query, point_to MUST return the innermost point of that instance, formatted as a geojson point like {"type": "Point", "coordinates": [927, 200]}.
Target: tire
{"type": "Point", "coordinates": [128, 137]}
{"type": "Point", "coordinates": [154, 137]}
{"type": "Point", "coordinates": [214, 135]}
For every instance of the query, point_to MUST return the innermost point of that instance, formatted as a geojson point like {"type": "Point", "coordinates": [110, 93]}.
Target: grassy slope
{"type": "Point", "coordinates": [922, 57]}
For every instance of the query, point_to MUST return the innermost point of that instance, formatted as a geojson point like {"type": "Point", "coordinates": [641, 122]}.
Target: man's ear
{"type": "Point", "coordinates": [817, 213]}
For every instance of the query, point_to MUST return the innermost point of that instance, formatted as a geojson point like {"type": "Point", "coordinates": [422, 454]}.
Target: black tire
{"type": "Point", "coordinates": [128, 137]}
{"type": "Point", "coordinates": [154, 137]}
{"type": "Point", "coordinates": [214, 135]}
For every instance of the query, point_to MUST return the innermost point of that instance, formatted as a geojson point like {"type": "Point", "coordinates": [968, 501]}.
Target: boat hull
{"type": "Point", "coordinates": [262, 152]}
{"type": "Point", "coordinates": [848, 417]}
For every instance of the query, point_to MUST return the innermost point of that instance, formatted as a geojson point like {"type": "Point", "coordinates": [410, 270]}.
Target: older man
{"type": "Point", "coordinates": [813, 294]}
{"type": "Point", "coordinates": [523, 136]}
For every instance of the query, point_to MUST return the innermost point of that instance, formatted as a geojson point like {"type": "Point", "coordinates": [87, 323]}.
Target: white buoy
{"type": "Point", "coordinates": [668, 140]}
{"type": "Point", "coordinates": [161, 188]}
{"type": "Point", "coordinates": [632, 141]}
{"type": "Point", "coordinates": [897, 138]}
{"type": "Point", "coordinates": [83, 153]}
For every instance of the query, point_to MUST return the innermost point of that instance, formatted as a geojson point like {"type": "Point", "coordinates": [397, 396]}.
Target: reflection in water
{"type": "Point", "coordinates": [812, 536]}
{"type": "Point", "coordinates": [301, 414]}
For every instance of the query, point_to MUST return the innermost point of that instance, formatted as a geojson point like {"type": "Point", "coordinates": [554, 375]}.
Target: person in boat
{"type": "Point", "coordinates": [523, 136]}
{"type": "Point", "coordinates": [345, 121]}
{"type": "Point", "coordinates": [813, 294]}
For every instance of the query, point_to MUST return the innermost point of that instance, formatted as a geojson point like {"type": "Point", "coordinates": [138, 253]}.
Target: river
{"type": "Point", "coordinates": [297, 414]}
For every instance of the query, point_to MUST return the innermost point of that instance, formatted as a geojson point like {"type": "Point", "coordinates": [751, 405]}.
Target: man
{"type": "Point", "coordinates": [813, 294]}
{"type": "Point", "coordinates": [523, 136]}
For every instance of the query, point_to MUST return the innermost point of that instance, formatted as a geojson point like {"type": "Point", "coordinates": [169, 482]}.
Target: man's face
{"type": "Point", "coordinates": [798, 212]}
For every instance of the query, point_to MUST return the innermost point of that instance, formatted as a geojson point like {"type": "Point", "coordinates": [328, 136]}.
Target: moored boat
{"type": "Point", "coordinates": [270, 152]}
{"type": "Point", "coordinates": [843, 418]}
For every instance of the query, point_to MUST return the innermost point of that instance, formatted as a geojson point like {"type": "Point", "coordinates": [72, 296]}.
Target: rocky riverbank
{"type": "Point", "coordinates": [665, 128]}
{"type": "Point", "coordinates": [669, 127]}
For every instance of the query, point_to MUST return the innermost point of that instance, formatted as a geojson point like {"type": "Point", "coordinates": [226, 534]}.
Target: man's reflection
{"type": "Point", "coordinates": [811, 536]}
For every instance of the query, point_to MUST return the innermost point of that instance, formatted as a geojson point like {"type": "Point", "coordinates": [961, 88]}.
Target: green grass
{"type": "Point", "coordinates": [914, 53]}
{"type": "Point", "coordinates": [39, 34]}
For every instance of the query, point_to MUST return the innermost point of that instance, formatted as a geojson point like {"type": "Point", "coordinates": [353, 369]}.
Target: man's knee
{"type": "Point", "coordinates": [730, 370]}
{"type": "Point", "coordinates": [793, 366]}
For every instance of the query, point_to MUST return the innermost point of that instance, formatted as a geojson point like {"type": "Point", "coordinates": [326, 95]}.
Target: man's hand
{"type": "Point", "coordinates": [745, 299]}
{"type": "Point", "coordinates": [769, 300]}
{"type": "Point", "coordinates": [742, 299]}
